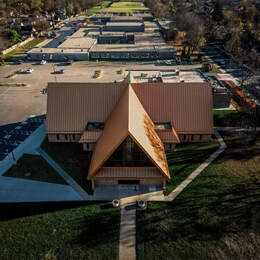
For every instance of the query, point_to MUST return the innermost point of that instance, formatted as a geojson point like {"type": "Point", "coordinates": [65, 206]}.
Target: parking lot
{"type": "Point", "coordinates": [19, 102]}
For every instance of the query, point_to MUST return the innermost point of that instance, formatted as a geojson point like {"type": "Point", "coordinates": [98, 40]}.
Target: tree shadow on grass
{"type": "Point", "coordinates": [100, 229]}
{"type": "Point", "coordinates": [18, 210]}
{"type": "Point", "coordinates": [202, 215]}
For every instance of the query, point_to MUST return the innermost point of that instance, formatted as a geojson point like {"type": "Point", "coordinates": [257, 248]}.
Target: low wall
{"type": "Point", "coordinates": [27, 146]}
{"type": "Point", "coordinates": [16, 45]}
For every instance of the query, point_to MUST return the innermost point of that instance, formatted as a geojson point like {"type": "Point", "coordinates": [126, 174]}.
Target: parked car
{"type": "Point", "coordinates": [68, 63]}
{"type": "Point", "coordinates": [27, 71]}
{"type": "Point", "coordinates": [58, 71]}
{"type": "Point", "coordinates": [43, 62]}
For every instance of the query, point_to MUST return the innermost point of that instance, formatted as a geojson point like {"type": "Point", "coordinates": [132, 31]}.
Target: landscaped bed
{"type": "Point", "coordinates": [33, 167]}
{"type": "Point", "coordinates": [84, 233]}
{"type": "Point", "coordinates": [72, 158]}
{"type": "Point", "coordinates": [216, 217]}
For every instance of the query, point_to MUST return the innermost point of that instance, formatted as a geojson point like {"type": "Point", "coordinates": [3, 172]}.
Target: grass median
{"type": "Point", "coordinates": [33, 167]}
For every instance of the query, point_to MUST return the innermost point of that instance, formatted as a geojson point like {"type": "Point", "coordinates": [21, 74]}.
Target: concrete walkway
{"type": "Point", "coordinates": [21, 190]}
{"type": "Point", "coordinates": [127, 233]}
{"type": "Point", "coordinates": [196, 172]}
{"type": "Point", "coordinates": [63, 174]}
{"type": "Point", "coordinates": [151, 196]}
{"type": "Point", "coordinates": [237, 129]}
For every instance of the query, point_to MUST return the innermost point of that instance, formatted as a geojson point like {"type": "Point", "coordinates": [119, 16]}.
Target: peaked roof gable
{"type": "Point", "coordinates": [129, 119]}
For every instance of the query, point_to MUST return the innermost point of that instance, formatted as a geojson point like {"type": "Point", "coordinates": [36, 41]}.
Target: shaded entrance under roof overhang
{"type": "Point", "coordinates": [128, 154]}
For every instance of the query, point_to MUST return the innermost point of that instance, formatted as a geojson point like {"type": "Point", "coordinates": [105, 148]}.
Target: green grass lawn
{"type": "Point", "coordinates": [72, 159]}
{"type": "Point", "coordinates": [236, 118]}
{"type": "Point", "coordinates": [83, 233]}
{"type": "Point", "coordinates": [185, 159]}
{"type": "Point", "coordinates": [216, 217]}
{"type": "Point", "coordinates": [99, 8]}
{"type": "Point", "coordinates": [33, 167]}
{"type": "Point", "coordinates": [221, 116]}
{"type": "Point", "coordinates": [121, 6]}
{"type": "Point", "coordinates": [21, 50]}
{"type": "Point", "coordinates": [124, 4]}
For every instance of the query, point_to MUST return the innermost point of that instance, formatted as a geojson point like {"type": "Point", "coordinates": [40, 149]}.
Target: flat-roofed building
{"type": "Point", "coordinates": [128, 127]}
{"type": "Point", "coordinates": [124, 27]}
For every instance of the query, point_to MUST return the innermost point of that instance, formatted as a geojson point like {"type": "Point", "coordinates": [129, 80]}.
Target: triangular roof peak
{"type": "Point", "coordinates": [129, 119]}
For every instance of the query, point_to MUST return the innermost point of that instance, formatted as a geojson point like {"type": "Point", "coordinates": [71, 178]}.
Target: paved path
{"type": "Point", "coordinates": [63, 174]}
{"type": "Point", "coordinates": [237, 129]}
{"type": "Point", "coordinates": [21, 190]}
{"type": "Point", "coordinates": [150, 196]}
{"type": "Point", "coordinates": [127, 233]}
{"type": "Point", "coordinates": [196, 172]}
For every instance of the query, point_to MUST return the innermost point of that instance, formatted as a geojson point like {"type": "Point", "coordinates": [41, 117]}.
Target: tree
{"type": "Point", "coordinates": [48, 5]}
{"type": "Point", "coordinates": [194, 29]}
{"type": "Point", "coordinates": [245, 76]}
{"type": "Point", "coordinates": [2, 8]}
{"type": "Point", "coordinates": [217, 13]}
{"type": "Point", "coordinates": [14, 36]}
{"type": "Point", "coordinates": [36, 6]}
{"type": "Point", "coordinates": [70, 9]}
{"type": "Point", "coordinates": [41, 25]}
{"type": "Point", "coordinates": [233, 45]}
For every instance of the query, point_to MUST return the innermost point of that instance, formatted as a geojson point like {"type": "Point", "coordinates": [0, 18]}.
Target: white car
{"type": "Point", "coordinates": [43, 62]}
{"type": "Point", "coordinates": [168, 62]}
{"type": "Point", "coordinates": [28, 71]}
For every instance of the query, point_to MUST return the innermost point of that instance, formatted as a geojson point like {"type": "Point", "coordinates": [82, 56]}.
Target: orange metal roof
{"type": "Point", "coordinates": [129, 119]}
{"type": "Point", "coordinates": [188, 106]}
{"type": "Point", "coordinates": [90, 136]}
{"type": "Point", "coordinates": [130, 172]}
{"type": "Point", "coordinates": [168, 136]}
{"type": "Point", "coordinates": [71, 105]}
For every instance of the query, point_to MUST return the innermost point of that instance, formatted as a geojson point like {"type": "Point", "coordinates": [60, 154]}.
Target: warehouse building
{"type": "Point", "coordinates": [123, 27]}
{"type": "Point", "coordinates": [115, 39]}
{"type": "Point", "coordinates": [121, 38]}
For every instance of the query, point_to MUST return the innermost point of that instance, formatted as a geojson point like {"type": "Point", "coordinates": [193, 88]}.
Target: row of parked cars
{"type": "Point", "coordinates": [42, 62]}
